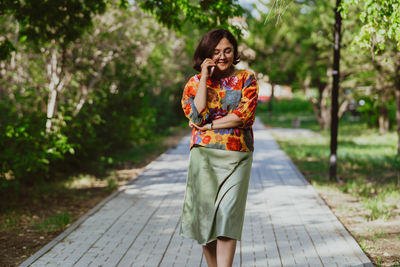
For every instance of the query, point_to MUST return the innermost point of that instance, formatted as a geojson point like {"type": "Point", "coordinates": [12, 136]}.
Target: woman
{"type": "Point", "coordinates": [220, 103]}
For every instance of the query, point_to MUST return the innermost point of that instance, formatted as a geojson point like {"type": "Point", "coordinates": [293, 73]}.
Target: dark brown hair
{"type": "Point", "coordinates": [207, 44]}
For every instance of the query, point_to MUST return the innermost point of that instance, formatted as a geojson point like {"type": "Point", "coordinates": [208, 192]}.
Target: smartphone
{"type": "Point", "coordinates": [211, 70]}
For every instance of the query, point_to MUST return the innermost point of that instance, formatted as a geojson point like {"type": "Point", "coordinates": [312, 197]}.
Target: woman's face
{"type": "Point", "coordinates": [223, 55]}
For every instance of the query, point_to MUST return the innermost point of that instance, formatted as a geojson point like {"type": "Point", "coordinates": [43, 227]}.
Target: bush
{"type": "Point", "coordinates": [294, 105]}
{"type": "Point", "coordinates": [370, 111]}
{"type": "Point", "coordinates": [26, 149]}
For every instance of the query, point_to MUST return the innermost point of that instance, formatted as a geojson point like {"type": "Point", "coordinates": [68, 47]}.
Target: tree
{"type": "Point", "coordinates": [43, 21]}
{"type": "Point", "coordinates": [65, 21]}
{"type": "Point", "coordinates": [90, 86]}
{"type": "Point", "coordinates": [335, 92]}
{"type": "Point", "coordinates": [380, 23]}
{"type": "Point", "coordinates": [204, 13]}
{"type": "Point", "coordinates": [54, 25]}
{"type": "Point", "coordinates": [295, 48]}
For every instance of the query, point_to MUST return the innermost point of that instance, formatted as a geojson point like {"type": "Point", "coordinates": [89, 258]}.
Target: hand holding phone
{"type": "Point", "coordinates": [208, 67]}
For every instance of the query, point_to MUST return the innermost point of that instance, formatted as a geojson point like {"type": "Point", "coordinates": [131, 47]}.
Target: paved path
{"type": "Point", "coordinates": [286, 223]}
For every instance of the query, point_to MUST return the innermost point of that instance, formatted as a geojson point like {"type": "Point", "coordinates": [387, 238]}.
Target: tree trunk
{"type": "Point", "coordinates": [397, 95]}
{"type": "Point", "coordinates": [321, 89]}
{"type": "Point", "coordinates": [318, 105]}
{"type": "Point", "coordinates": [383, 119]}
{"type": "Point", "coordinates": [54, 80]}
{"type": "Point", "coordinates": [82, 97]}
{"type": "Point", "coordinates": [335, 94]}
{"type": "Point", "coordinates": [325, 109]}
{"type": "Point", "coordinates": [271, 99]}
{"type": "Point", "coordinates": [398, 117]}
{"type": "Point", "coordinates": [57, 81]}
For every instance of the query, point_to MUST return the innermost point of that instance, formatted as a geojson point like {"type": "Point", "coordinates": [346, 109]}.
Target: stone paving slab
{"type": "Point", "coordinates": [286, 222]}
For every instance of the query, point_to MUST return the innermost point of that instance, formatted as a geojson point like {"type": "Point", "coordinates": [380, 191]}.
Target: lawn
{"type": "Point", "coordinates": [367, 197]}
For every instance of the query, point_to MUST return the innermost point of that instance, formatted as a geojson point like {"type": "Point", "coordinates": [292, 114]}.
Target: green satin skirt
{"type": "Point", "coordinates": [216, 193]}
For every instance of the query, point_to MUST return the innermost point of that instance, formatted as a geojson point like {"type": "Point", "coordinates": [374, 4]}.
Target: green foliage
{"type": "Point", "coordinates": [26, 150]}
{"type": "Point", "coordinates": [56, 222]}
{"type": "Point", "coordinates": [378, 208]}
{"type": "Point", "coordinates": [364, 245]}
{"type": "Point", "coordinates": [380, 22]}
{"type": "Point", "coordinates": [293, 40]}
{"type": "Point", "coordinates": [63, 22]}
{"type": "Point", "coordinates": [111, 184]}
{"type": "Point", "coordinates": [287, 110]}
{"type": "Point", "coordinates": [6, 47]}
{"type": "Point", "coordinates": [11, 221]}
{"type": "Point", "coordinates": [298, 104]}
{"type": "Point", "coordinates": [205, 13]}
{"type": "Point", "coordinates": [45, 21]}
{"type": "Point", "coordinates": [370, 110]}
{"type": "Point", "coordinates": [124, 90]}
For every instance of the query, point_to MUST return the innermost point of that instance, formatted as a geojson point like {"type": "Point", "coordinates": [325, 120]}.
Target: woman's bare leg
{"type": "Point", "coordinates": [210, 251]}
{"type": "Point", "coordinates": [225, 251]}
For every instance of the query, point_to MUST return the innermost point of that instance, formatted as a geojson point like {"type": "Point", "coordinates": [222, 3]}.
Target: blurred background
{"type": "Point", "coordinates": [89, 88]}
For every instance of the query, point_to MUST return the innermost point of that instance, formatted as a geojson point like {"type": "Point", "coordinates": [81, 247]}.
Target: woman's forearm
{"type": "Point", "coordinates": [229, 121]}
{"type": "Point", "coordinates": [200, 100]}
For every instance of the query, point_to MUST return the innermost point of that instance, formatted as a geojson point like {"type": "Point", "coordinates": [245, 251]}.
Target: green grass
{"type": "Point", "coordinates": [379, 234]}
{"type": "Point", "coordinates": [136, 154]}
{"type": "Point", "coordinates": [56, 222]}
{"type": "Point", "coordinates": [285, 111]}
{"type": "Point", "coordinates": [379, 208]}
{"type": "Point", "coordinates": [139, 153]}
{"type": "Point", "coordinates": [11, 221]}
{"type": "Point", "coordinates": [111, 183]}
{"type": "Point", "coordinates": [363, 245]}
{"type": "Point", "coordinates": [368, 165]}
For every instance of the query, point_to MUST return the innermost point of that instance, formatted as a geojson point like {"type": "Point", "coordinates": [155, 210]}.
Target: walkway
{"type": "Point", "coordinates": [286, 223]}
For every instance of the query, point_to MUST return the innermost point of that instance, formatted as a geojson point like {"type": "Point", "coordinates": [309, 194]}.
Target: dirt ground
{"type": "Point", "coordinates": [20, 236]}
{"type": "Point", "coordinates": [380, 239]}
{"type": "Point", "coordinates": [22, 240]}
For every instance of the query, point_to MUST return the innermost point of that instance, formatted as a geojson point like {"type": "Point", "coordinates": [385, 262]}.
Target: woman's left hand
{"type": "Point", "coordinates": [201, 128]}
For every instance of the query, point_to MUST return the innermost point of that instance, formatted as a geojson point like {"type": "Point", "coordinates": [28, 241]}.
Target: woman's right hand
{"type": "Point", "coordinates": [207, 67]}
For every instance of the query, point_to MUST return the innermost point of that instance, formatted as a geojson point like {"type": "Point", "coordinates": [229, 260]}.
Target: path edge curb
{"type": "Point", "coordinates": [83, 218]}
{"type": "Point", "coordinates": [70, 229]}
{"type": "Point", "coordinates": [348, 236]}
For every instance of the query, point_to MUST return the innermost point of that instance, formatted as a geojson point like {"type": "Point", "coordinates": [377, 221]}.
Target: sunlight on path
{"type": "Point", "coordinates": [286, 223]}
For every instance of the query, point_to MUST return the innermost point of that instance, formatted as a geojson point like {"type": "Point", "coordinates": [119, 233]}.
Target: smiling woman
{"type": "Point", "coordinates": [219, 45]}
{"type": "Point", "coordinates": [220, 104]}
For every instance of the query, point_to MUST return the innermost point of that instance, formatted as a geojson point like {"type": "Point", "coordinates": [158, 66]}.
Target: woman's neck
{"type": "Point", "coordinates": [219, 75]}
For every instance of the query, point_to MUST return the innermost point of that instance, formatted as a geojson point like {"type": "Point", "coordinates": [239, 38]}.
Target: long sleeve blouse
{"type": "Point", "coordinates": [236, 94]}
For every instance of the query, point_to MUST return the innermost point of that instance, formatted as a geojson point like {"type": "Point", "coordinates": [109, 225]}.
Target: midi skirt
{"type": "Point", "coordinates": [216, 193]}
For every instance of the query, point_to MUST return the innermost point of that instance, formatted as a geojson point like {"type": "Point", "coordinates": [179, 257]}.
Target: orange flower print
{"type": "Point", "coordinates": [206, 139]}
{"type": "Point", "coordinates": [252, 106]}
{"type": "Point", "coordinates": [236, 94]}
{"type": "Point", "coordinates": [188, 109]}
{"type": "Point", "coordinates": [192, 91]}
{"type": "Point", "coordinates": [234, 144]}
{"type": "Point", "coordinates": [250, 94]}
{"type": "Point", "coordinates": [212, 96]}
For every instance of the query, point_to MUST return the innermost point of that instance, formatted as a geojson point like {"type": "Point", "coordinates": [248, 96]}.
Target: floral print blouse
{"type": "Point", "coordinates": [235, 94]}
